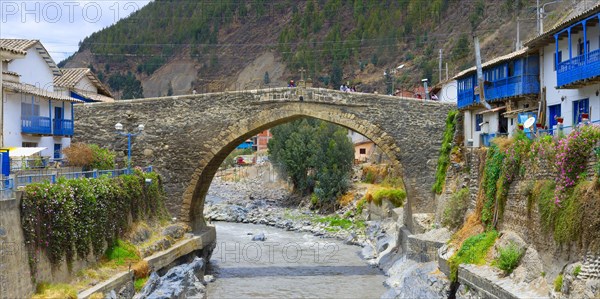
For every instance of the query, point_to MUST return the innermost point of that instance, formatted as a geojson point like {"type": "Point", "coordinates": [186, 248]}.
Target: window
{"type": "Point", "coordinates": [363, 151]}
{"type": "Point", "coordinates": [559, 58]}
{"type": "Point", "coordinates": [511, 69]}
{"type": "Point", "coordinates": [580, 47]}
{"type": "Point", "coordinates": [29, 144]}
{"type": "Point", "coordinates": [27, 110]}
{"type": "Point", "coordinates": [478, 121]}
{"type": "Point", "coordinates": [580, 107]}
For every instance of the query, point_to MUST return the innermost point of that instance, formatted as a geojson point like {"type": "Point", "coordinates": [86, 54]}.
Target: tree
{"type": "Point", "coordinates": [316, 156]}
{"type": "Point", "coordinates": [266, 78]}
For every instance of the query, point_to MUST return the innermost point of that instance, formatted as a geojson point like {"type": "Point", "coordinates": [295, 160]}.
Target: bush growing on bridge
{"type": "Point", "coordinates": [83, 216]}
{"type": "Point", "coordinates": [444, 159]}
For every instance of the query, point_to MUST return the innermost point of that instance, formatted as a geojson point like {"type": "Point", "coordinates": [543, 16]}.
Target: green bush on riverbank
{"type": "Point", "coordinates": [82, 216]}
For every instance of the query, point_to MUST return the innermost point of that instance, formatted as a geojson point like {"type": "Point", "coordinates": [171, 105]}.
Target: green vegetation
{"type": "Point", "coordinates": [90, 156]}
{"type": "Point", "coordinates": [455, 210]}
{"type": "Point", "coordinates": [473, 251]}
{"type": "Point", "coordinates": [558, 283]}
{"type": "Point", "coordinates": [502, 166]}
{"type": "Point", "coordinates": [121, 252]}
{"type": "Point", "coordinates": [394, 196]}
{"type": "Point", "coordinates": [139, 283]}
{"type": "Point", "coordinates": [316, 155]}
{"type": "Point", "coordinates": [509, 257]}
{"type": "Point", "coordinates": [83, 216]}
{"type": "Point", "coordinates": [62, 291]}
{"type": "Point", "coordinates": [128, 84]}
{"type": "Point", "coordinates": [444, 159]}
{"type": "Point", "coordinates": [577, 270]}
{"type": "Point", "coordinates": [342, 223]}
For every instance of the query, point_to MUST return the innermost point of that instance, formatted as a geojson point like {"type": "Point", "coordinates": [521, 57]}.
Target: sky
{"type": "Point", "coordinates": [61, 25]}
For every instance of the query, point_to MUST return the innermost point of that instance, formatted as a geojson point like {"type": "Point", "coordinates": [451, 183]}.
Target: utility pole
{"type": "Point", "coordinates": [446, 71]}
{"type": "Point", "coordinates": [518, 43]}
{"type": "Point", "coordinates": [480, 81]}
{"type": "Point", "coordinates": [440, 67]}
{"type": "Point", "coordinates": [538, 16]}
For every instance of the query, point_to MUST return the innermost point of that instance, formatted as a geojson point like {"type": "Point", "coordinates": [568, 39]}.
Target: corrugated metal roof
{"type": "Point", "coordinates": [494, 61]}
{"type": "Point", "coordinates": [71, 76]}
{"type": "Point", "coordinates": [30, 89]}
{"type": "Point", "coordinates": [536, 41]}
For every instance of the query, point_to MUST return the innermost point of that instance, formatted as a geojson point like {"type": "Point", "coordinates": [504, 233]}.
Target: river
{"type": "Point", "coordinates": [287, 265]}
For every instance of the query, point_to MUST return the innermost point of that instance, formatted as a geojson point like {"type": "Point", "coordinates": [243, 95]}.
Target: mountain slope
{"type": "Point", "coordinates": [176, 46]}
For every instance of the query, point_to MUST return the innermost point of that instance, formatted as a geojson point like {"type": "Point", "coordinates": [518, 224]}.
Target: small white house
{"type": "Point", "coordinates": [82, 84]}
{"type": "Point", "coordinates": [34, 114]}
{"type": "Point", "coordinates": [570, 69]}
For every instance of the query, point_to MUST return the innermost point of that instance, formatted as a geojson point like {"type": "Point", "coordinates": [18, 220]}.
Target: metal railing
{"type": "Point", "coordinates": [32, 124]}
{"type": "Point", "coordinates": [9, 184]}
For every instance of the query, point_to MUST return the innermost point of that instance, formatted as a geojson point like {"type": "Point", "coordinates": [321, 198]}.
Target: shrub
{"type": "Point", "coordinates": [456, 208]}
{"type": "Point", "coordinates": [558, 283]}
{"type": "Point", "coordinates": [473, 251]}
{"type": "Point", "coordinates": [444, 159]}
{"type": "Point", "coordinates": [91, 156]}
{"type": "Point", "coordinates": [571, 157]}
{"type": "Point", "coordinates": [509, 257]}
{"type": "Point", "coordinates": [103, 159]}
{"type": "Point", "coordinates": [76, 216]}
{"type": "Point", "coordinates": [395, 196]}
{"type": "Point", "coordinates": [79, 154]}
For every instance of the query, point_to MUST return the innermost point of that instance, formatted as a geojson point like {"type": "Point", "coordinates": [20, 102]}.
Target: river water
{"type": "Point", "coordinates": [288, 265]}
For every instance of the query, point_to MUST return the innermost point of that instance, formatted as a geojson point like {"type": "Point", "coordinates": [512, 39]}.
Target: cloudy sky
{"type": "Point", "coordinates": [61, 25]}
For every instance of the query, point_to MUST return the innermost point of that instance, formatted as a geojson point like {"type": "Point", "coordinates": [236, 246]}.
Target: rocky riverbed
{"type": "Point", "coordinates": [249, 202]}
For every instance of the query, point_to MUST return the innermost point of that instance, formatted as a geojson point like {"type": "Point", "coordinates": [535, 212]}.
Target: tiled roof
{"type": "Point", "coordinates": [71, 76]}
{"type": "Point", "coordinates": [17, 45]}
{"type": "Point", "coordinates": [22, 45]}
{"type": "Point", "coordinates": [11, 73]}
{"type": "Point", "coordinates": [30, 89]}
{"type": "Point", "coordinates": [548, 36]}
{"type": "Point", "coordinates": [13, 51]}
{"type": "Point", "coordinates": [494, 61]}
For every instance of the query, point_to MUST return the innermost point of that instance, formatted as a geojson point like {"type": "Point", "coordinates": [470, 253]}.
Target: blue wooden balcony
{"type": "Point", "coordinates": [514, 86]}
{"type": "Point", "coordinates": [578, 69]}
{"type": "Point", "coordinates": [467, 98]}
{"type": "Point", "coordinates": [39, 125]}
{"type": "Point", "coordinates": [63, 127]}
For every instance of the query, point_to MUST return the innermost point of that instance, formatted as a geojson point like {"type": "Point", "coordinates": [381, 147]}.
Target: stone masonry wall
{"type": "Point", "coordinates": [524, 219]}
{"type": "Point", "coordinates": [187, 137]}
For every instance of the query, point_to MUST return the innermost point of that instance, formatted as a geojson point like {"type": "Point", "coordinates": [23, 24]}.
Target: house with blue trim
{"type": "Point", "coordinates": [511, 87]}
{"type": "Point", "coordinates": [34, 113]}
{"type": "Point", "coordinates": [570, 70]}
{"type": "Point", "coordinates": [82, 84]}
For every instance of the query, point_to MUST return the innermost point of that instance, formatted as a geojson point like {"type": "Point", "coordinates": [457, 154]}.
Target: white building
{"type": "Point", "coordinates": [82, 84]}
{"type": "Point", "coordinates": [573, 90]}
{"type": "Point", "coordinates": [34, 113]}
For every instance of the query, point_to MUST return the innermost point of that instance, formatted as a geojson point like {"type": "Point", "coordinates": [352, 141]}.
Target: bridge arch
{"type": "Point", "coordinates": [187, 137]}
{"type": "Point", "coordinates": [192, 210]}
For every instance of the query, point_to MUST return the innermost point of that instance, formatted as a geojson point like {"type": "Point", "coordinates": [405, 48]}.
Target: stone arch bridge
{"type": "Point", "coordinates": [187, 137]}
